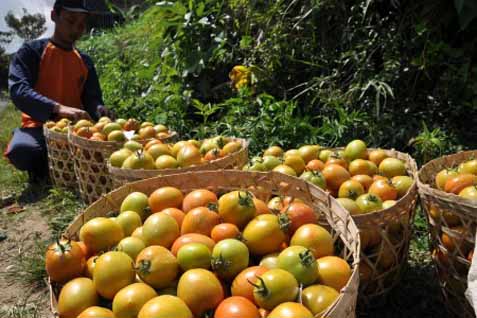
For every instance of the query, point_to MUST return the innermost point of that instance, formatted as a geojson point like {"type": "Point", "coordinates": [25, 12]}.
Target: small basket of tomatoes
{"type": "Point", "coordinates": [447, 187]}
{"type": "Point", "coordinates": [137, 162]}
{"type": "Point", "coordinates": [376, 186]}
{"type": "Point", "coordinates": [207, 244]}
{"type": "Point", "coordinates": [92, 144]}
{"type": "Point", "coordinates": [60, 160]}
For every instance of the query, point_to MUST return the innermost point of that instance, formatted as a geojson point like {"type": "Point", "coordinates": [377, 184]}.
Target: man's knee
{"type": "Point", "coordinates": [25, 156]}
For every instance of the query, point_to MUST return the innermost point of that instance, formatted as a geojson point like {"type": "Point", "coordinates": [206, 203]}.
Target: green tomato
{"type": "Point", "coordinates": [355, 150]}
{"type": "Point", "coordinates": [194, 255]}
{"type": "Point", "coordinates": [369, 203]}
{"type": "Point", "coordinates": [299, 261]}
{"type": "Point", "coordinates": [314, 177]}
{"type": "Point", "coordinates": [271, 162]}
{"type": "Point", "coordinates": [274, 287]}
{"type": "Point", "coordinates": [229, 257]}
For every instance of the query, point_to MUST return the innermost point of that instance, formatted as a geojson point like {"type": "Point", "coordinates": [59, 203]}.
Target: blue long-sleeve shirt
{"type": "Point", "coordinates": [42, 74]}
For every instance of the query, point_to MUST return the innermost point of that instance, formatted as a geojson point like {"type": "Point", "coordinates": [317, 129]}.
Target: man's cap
{"type": "Point", "coordinates": [73, 5]}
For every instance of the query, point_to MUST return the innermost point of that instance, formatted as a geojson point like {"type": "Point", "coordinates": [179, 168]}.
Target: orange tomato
{"type": "Point", "coordinates": [64, 261]}
{"type": "Point", "coordinates": [384, 189]}
{"type": "Point", "coordinates": [201, 290]}
{"type": "Point", "coordinates": [198, 198]}
{"type": "Point", "coordinates": [333, 271]}
{"type": "Point", "coordinates": [260, 207]}
{"type": "Point", "coordinates": [152, 142]}
{"type": "Point", "coordinates": [315, 165]}
{"type": "Point", "coordinates": [236, 307]}
{"type": "Point", "coordinates": [299, 214]}
{"type": "Point", "coordinates": [459, 182]}
{"type": "Point", "coordinates": [365, 180]}
{"type": "Point", "coordinates": [241, 285]}
{"type": "Point", "coordinates": [165, 197]}
{"type": "Point", "coordinates": [224, 231]}
{"type": "Point", "coordinates": [337, 161]}
{"type": "Point", "coordinates": [335, 175]}
{"type": "Point", "coordinates": [199, 220]}
{"type": "Point", "coordinates": [376, 156]}
{"type": "Point", "coordinates": [350, 189]}
{"type": "Point", "coordinates": [177, 214]}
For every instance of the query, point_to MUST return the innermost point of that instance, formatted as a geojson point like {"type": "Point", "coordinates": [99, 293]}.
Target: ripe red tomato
{"type": "Point", "coordinates": [64, 261]}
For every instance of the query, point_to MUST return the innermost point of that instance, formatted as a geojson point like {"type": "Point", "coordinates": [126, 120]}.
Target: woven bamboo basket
{"type": "Point", "coordinates": [90, 164]}
{"type": "Point", "coordinates": [236, 160]}
{"type": "Point", "coordinates": [60, 161]}
{"type": "Point", "coordinates": [453, 219]}
{"type": "Point", "coordinates": [263, 185]}
{"type": "Point", "coordinates": [385, 237]}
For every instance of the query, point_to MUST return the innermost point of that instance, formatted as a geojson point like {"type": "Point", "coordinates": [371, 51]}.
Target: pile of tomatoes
{"type": "Point", "coordinates": [108, 130]}
{"type": "Point", "coordinates": [461, 181]}
{"type": "Point", "coordinates": [199, 254]}
{"type": "Point", "coordinates": [363, 180]}
{"type": "Point", "coordinates": [157, 155]}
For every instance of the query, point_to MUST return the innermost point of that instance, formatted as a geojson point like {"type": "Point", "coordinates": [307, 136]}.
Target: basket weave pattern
{"type": "Point", "coordinates": [60, 161]}
{"type": "Point", "coordinates": [385, 238]}
{"type": "Point", "coordinates": [445, 212]}
{"type": "Point", "coordinates": [264, 186]}
{"type": "Point", "coordinates": [235, 160]}
{"type": "Point", "coordinates": [90, 166]}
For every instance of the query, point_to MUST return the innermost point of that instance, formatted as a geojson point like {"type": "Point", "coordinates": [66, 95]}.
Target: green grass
{"type": "Point", "coordinates": [11, 179]}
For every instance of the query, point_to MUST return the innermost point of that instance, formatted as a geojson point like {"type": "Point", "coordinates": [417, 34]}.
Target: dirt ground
{"type": "Point", "coordinates": [22, 229]}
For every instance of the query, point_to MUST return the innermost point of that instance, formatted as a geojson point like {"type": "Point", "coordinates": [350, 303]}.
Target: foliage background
{"type": "Point", "coordinates": [397, 73]}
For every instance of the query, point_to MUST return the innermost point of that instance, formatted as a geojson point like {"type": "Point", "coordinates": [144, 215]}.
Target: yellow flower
{"type": "Point", "coordinates": [240, 76]}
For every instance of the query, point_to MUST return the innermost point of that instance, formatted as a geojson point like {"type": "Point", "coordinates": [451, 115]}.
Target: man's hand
{"type": "Point", "coordinates": [104, 111]}
{"type": "Point", "coordinates": [74, 114]}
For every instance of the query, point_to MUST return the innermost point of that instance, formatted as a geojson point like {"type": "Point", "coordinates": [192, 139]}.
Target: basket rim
{"type": "Point", "coordinates": [80, 140]}
{"type": "Point", "coordinates": [429, 190]}
{"type": "Point", "coordinates": [347, 295]}
{"type": "Point", "coordinates": [122, 171]}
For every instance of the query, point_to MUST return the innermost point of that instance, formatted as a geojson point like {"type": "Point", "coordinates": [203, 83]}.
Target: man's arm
{"type": "Point", "coordinates": [21, 78]}
{"type": "Point", "coordinates": [92, 96]}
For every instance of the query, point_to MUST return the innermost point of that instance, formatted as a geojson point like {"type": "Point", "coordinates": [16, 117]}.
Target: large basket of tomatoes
{"type": "Point", "coordinates": [376, 186]}
{"type": "Point", "coordinates": [206, 243]}
{"type": "Point", "coordinates": [447, 187]}
{"type": "Point", "coordinates": [60, 160]}
{"type": "Point", "coordinates": [92, 144]}
{"type": "Point", "coordinates": [136, 162]}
